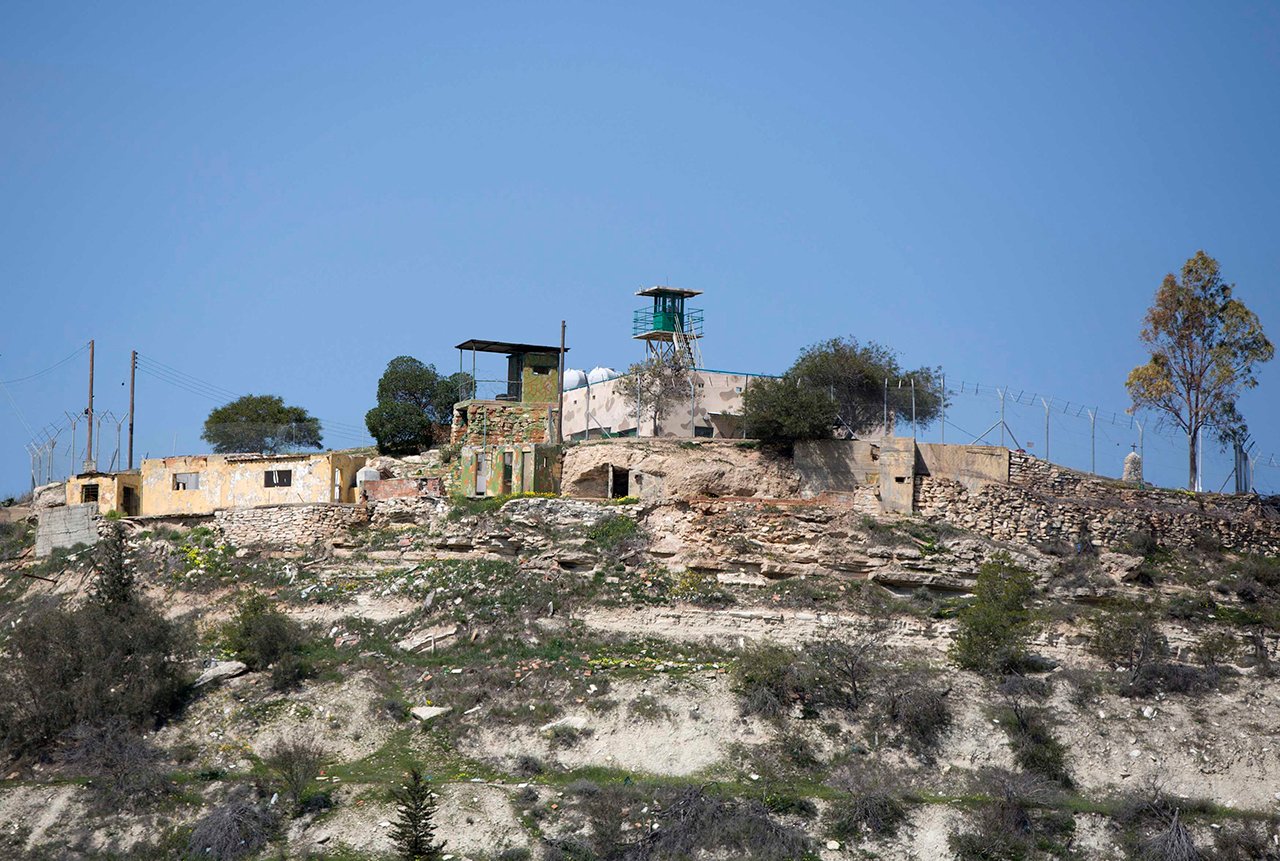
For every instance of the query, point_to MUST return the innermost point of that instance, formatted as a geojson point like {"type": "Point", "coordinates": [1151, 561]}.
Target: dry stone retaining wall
{"type": "Point", "coordinates": [288, 525]}
{"type": "Point", "coordinates": [1045, 503]}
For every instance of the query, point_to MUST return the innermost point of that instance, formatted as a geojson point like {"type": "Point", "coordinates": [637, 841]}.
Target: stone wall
{"type": "Point", "coordinates": [487, 423]}
{"type": "Point", "coordinates": [1046, 503]}
{"type": "Point", "coordinates": [288, 525]}
{"type": "Point", "coordinates": [66, 526]}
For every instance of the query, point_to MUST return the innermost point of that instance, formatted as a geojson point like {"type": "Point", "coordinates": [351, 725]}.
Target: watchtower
{"type": "Point", "coordinates": [669, 329]}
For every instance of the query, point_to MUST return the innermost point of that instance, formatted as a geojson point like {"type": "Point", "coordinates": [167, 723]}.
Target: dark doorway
{"type": "Point", "coordinates": [619, 482]}
{"type": "Point", "coordinates": [129, 501]}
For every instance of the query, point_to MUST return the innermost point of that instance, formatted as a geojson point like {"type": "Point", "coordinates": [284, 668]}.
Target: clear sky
{"type": "Point", "coordinates": [278, 198]}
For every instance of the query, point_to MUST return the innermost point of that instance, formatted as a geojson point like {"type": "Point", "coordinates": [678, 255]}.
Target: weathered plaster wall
{"type": "Point", "coordinates": [403, 488]}
{"type": "Point", "coordinates": [288, 526]}
{"type": "Point", "coordinates": [111, 489]}
{"type": "Point", "coordinates": [229, 481]}
{"type": "Point", "coordinates": [837, 465]}
{"type": "Point", "coordinates": [534, 469]}
{"type": "Point", "coordinates": [540, 379]}
{"type": "Point", "coordinates": [66, 526]}
{"type": "Point", "coordinates": [971, 465]}
{"type": "Point", "coordinates": [715, 403]}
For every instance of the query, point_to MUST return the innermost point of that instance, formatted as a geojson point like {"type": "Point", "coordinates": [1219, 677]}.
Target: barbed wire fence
{"type": "Point", "coordinates": [1069, 432]}
{"type": "Point", "coordinates": [1093, 438]}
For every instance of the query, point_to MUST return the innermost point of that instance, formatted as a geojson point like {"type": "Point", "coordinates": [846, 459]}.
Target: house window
{"type": "Point", "coordinates": [277, 478]}
{"type": "Point", "coordinates": [700, 431]}
{"type": "Point", "coordinates": [186, 481]}
{"type": "Point", "coordinates": [89, 493]}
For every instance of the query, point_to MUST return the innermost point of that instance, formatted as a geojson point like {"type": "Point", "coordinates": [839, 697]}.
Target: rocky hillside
{"type": "Point", "coordinates": [709, 678]}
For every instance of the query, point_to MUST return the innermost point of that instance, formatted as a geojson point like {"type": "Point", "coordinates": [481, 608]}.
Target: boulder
{"type": "Point", "coordinates": [220, 671]}
{"type": "Point", "coordinates": [426, 713]}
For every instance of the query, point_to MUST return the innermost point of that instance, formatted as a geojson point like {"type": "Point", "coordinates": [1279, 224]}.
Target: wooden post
{"type": "Point", "coordinates": [133, 373]}
{"type": "Point", "coordinates": [88, 451]}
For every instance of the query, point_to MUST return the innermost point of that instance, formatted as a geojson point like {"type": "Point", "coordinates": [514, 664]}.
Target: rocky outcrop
{"type": "Point", "coordinates": [679, 469]}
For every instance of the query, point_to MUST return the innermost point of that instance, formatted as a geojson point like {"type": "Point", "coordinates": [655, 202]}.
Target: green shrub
{"type": "Point", "coordinates": [781, 412]}
{"type": "Point", "coordinates": [995, 627]}
{"type": "Point", "coordinates": [612, 531]}
{"type": "Point", "coordinates": [260, 635]}
{"type": "Point", "coordinates": [15, 538]}
{"type": "Point", "coordinates": [1034, 746]}
{"type": "Point", "coordinates": [90, 665]}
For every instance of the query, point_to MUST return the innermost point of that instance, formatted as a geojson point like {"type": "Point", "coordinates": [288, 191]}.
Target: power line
{"type": "Point", "coordinates": [47, 370]}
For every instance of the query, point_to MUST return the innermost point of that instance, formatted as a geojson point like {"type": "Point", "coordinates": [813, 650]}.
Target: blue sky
{"type": "Point", "coordinates": [281, 197]}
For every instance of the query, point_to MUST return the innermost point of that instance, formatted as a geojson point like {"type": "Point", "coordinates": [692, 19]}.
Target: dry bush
{"type": "Point", "coordinates": [845, 670]}
{"type": "Point", "coordinates": [123, 768]}
{"type": "Point", "coordinates": [1173, 843]}
{"type": "Point", "coordinates": [690, 823]}
{"type": "Point", "coordinates": [1016, 819]}
{"type": "Point", "coordinates": [874, 806]}
{"type": "Point", "coordinates": [695, 822]}
{"type": "Point", "coordinates": [1246, 841]}
{"type": "Point", "coordinates": [771, 680]}
{"type": "Point", "coordinates": [238, 828]}
{"type": "Point", "coordinates": [914, 706]}
{"type": "Point", "coordinates": [296, 763]}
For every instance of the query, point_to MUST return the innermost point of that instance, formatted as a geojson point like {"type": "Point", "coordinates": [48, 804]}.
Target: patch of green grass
{"type": "Point", "coordinates": [612, 531]}
{"type": "Point", "coordinates": [463, 506]}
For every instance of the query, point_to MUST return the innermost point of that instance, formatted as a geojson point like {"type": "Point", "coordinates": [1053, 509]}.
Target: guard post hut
{"type": "Point", "coordinates": [507, 428]}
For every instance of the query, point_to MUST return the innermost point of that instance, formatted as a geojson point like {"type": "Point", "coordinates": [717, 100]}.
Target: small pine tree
{"type": "Point", "coordinates": [413, 833]}
{"type": "Point", "coordinates": [114, 586]}
{"type": "Point", "coordinates": [996, 627]}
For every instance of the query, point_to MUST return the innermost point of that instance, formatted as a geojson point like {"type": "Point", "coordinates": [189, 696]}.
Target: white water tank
{"type": "Point", "coordinates": [599, 375]}
{"type": "Point", "coordinates": [366, 473]}
{"type": "Point", "coordinates": [574, 378]}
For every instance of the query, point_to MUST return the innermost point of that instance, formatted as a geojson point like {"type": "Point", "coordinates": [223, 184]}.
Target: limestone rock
{"type": "Point", "coordinates": [220, 671]}
{"type": "Point", "coordinates": [426, 713]}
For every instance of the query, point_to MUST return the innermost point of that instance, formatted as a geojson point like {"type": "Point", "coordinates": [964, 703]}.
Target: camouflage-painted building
{"type": "Point", "coordinates": [508, 441]}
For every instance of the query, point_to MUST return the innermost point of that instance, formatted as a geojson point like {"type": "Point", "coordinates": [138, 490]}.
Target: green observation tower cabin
{"type": "Point", "coordinates": [669, 329]}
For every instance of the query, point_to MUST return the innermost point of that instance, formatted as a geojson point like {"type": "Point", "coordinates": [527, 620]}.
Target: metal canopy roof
{"type": "Point", "coordinates": [668, 291]}
{"type": "Point", "coordinates": [506, 347]}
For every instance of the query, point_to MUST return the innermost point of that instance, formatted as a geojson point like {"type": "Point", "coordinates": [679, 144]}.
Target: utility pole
{"type": "Point", "coordinates": [88, 451]}
{"type": "Point", "coordinates": [133, 373]}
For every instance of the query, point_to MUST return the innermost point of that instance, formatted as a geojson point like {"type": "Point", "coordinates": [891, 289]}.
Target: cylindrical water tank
{"type": "Point", "coordinates": [573, 378]}
{"type": "Point", "coordinates": [366, 473]}
{"type": "Point", "coordinates": [600, 375]}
